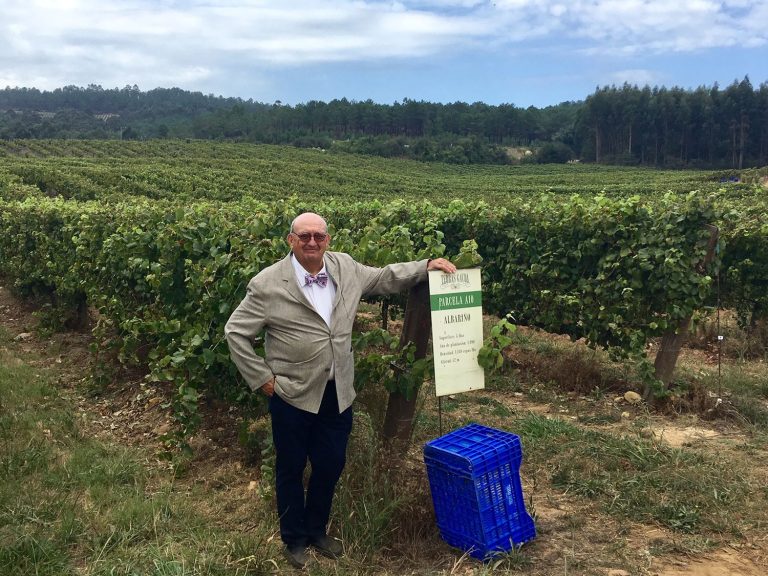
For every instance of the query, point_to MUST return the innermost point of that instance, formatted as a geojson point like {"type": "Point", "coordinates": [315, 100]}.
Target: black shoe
{"type": "Point", "coordinates": [327, 546]}
{"type": "Point", "coordinates": [296, 556]}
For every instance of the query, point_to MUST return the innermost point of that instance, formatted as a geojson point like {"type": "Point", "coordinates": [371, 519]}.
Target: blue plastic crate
{"type": "Point", "coordinates": [474, 477]}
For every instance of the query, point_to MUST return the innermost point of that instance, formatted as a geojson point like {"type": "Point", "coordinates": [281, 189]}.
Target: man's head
{"type": "Point", "coordinates": [309, 240]}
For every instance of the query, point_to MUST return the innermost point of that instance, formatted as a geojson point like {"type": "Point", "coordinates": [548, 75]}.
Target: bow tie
{"type": "Point", "coordinates": [321, 279]}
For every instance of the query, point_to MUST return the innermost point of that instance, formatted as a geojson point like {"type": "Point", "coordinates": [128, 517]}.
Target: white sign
{"type": "Point", "coordinates": [457, 330]}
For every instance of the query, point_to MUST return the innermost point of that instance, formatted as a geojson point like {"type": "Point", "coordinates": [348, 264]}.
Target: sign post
{"type": "Point", "coordinates": [457, 330]}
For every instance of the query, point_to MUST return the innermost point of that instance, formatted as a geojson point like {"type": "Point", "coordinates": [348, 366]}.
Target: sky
{"type": "Point", "coordinates": [521, 52]}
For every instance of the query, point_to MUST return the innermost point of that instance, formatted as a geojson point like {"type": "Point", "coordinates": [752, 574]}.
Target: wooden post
{"type": "Point", "coordinates": [672, 341]}
{"type": "Point", "coordinates": [417, 326]}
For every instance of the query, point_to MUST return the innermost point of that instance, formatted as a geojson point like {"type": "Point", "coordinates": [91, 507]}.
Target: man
{"type": "Point", "coordinates": [307, 303]}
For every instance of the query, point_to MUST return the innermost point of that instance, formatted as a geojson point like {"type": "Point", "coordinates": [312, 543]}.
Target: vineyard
{"type": "Point", "coordinates": [162, 237]}
{"type": "Point", "coordinates": [155, 242]}
{"type": "Point", "coordinates": [87, 170]}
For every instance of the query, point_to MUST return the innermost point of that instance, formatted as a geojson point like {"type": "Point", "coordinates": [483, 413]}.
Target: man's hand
{"type": "Point", "coordinates": [268, 387]}
{"type": "Point", "coordinates": [441, 264]}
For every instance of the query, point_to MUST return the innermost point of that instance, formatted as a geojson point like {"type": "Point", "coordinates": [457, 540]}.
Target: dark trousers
{"type": "Point", "coordinates": [320, 438]}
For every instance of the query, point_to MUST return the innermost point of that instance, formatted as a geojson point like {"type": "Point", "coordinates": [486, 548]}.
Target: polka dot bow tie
{"type": "Point", "coordinates": [321, 279]}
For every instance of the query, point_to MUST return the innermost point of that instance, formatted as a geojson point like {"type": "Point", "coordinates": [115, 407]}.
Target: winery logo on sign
{"type": "Point", "coordinates": [455, 281]}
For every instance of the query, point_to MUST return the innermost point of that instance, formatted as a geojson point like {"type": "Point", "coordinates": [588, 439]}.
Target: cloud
{"type": "Point", "coordinates": [636, 76]}
{"type": "Point", "coordinates": [162, 42]}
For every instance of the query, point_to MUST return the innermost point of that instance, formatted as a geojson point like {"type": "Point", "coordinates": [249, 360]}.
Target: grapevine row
{"type": "Point", "coordinates": [165, 267]}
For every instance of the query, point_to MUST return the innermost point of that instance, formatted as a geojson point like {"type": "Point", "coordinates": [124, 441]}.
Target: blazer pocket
{"type": "Point", "coordinates": [287, 387]}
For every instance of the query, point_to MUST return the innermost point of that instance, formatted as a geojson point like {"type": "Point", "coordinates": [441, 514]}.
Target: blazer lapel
{"type": "Point", "coordinates": [288, 275]}
{"type": "Point", "coordinates": [334, 271]}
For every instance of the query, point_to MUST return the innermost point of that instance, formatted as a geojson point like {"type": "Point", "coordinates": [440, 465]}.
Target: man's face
{"type": "Point", "coordinates": [309, 241]}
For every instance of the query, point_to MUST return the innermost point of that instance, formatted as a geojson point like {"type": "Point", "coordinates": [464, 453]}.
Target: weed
{"type": "Point", "coordinates": [600, 418]}
{"type": "Point", "coordinates": [754, 412]}
{"type": "Point", "coordinates": [30, 555]}
{"type": "Point", "coordinates": [739, 340]}
{"type": "Point", "coordinates": [681, 545]}
{"type": "Point", "coordinates": [497, 409]}
{"type": "Point", "coordinates": [450, 404]}
{"type": "Point", "coordinates": [745, 391]}
{"type": "Point", "coordinates": [513, 561]}
{"type": "Point", "coordinates": [678, 516]}
{"type": "Point", "coordinates": [366, 499]}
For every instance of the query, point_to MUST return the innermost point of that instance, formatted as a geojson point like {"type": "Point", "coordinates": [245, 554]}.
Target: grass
{"type": "Point", "coordinates": [629, 477]}
{"type": "Point", "coordinates": [703, 497]}
{"type": "Point", "coordinates": [367, 498]}
{"type": "Point", "coordinates": [746, 391]}
{"type": "Point", "coordinates": [643, 480]}
{"type": "Point", "coordinates": [571, 367]}
{"type": "Point", "coordinates": [71, 504]}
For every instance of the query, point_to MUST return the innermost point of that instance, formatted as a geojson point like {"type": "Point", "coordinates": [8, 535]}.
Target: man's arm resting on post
{"type": "Point", "coordinates": [396, 277]}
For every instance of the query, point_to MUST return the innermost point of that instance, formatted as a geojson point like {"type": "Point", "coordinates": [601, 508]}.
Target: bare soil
{"type": "Point", "coordinates": [128, 413]}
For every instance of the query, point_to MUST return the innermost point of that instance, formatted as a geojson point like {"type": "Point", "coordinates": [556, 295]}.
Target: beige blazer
{"type": "Point", "coordinates": [299, 345]}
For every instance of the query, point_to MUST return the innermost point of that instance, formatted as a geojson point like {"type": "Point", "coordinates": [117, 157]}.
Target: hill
{"type": "Point", "coordinates": [659, 127]}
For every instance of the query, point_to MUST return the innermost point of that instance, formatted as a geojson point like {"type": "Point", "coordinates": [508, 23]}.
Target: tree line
{"type": "Point", "coordinates": [676, 127]}
{"type": "Point", "coordinates": [658, 126]}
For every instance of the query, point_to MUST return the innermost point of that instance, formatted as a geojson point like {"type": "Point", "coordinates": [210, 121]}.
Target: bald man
{"type": "Point", "coordinates": [307, 303]}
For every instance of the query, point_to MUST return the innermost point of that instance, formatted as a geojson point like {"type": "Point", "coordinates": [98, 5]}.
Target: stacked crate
{"type": "Point", "coordinates": [474, 477]}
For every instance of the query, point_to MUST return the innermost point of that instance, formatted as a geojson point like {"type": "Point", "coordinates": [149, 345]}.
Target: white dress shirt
{"type": "Point", "coordinates": [321, 297]}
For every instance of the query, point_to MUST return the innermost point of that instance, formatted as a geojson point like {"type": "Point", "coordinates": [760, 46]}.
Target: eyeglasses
{"type": "Point", "coordinates": [306, 237]}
